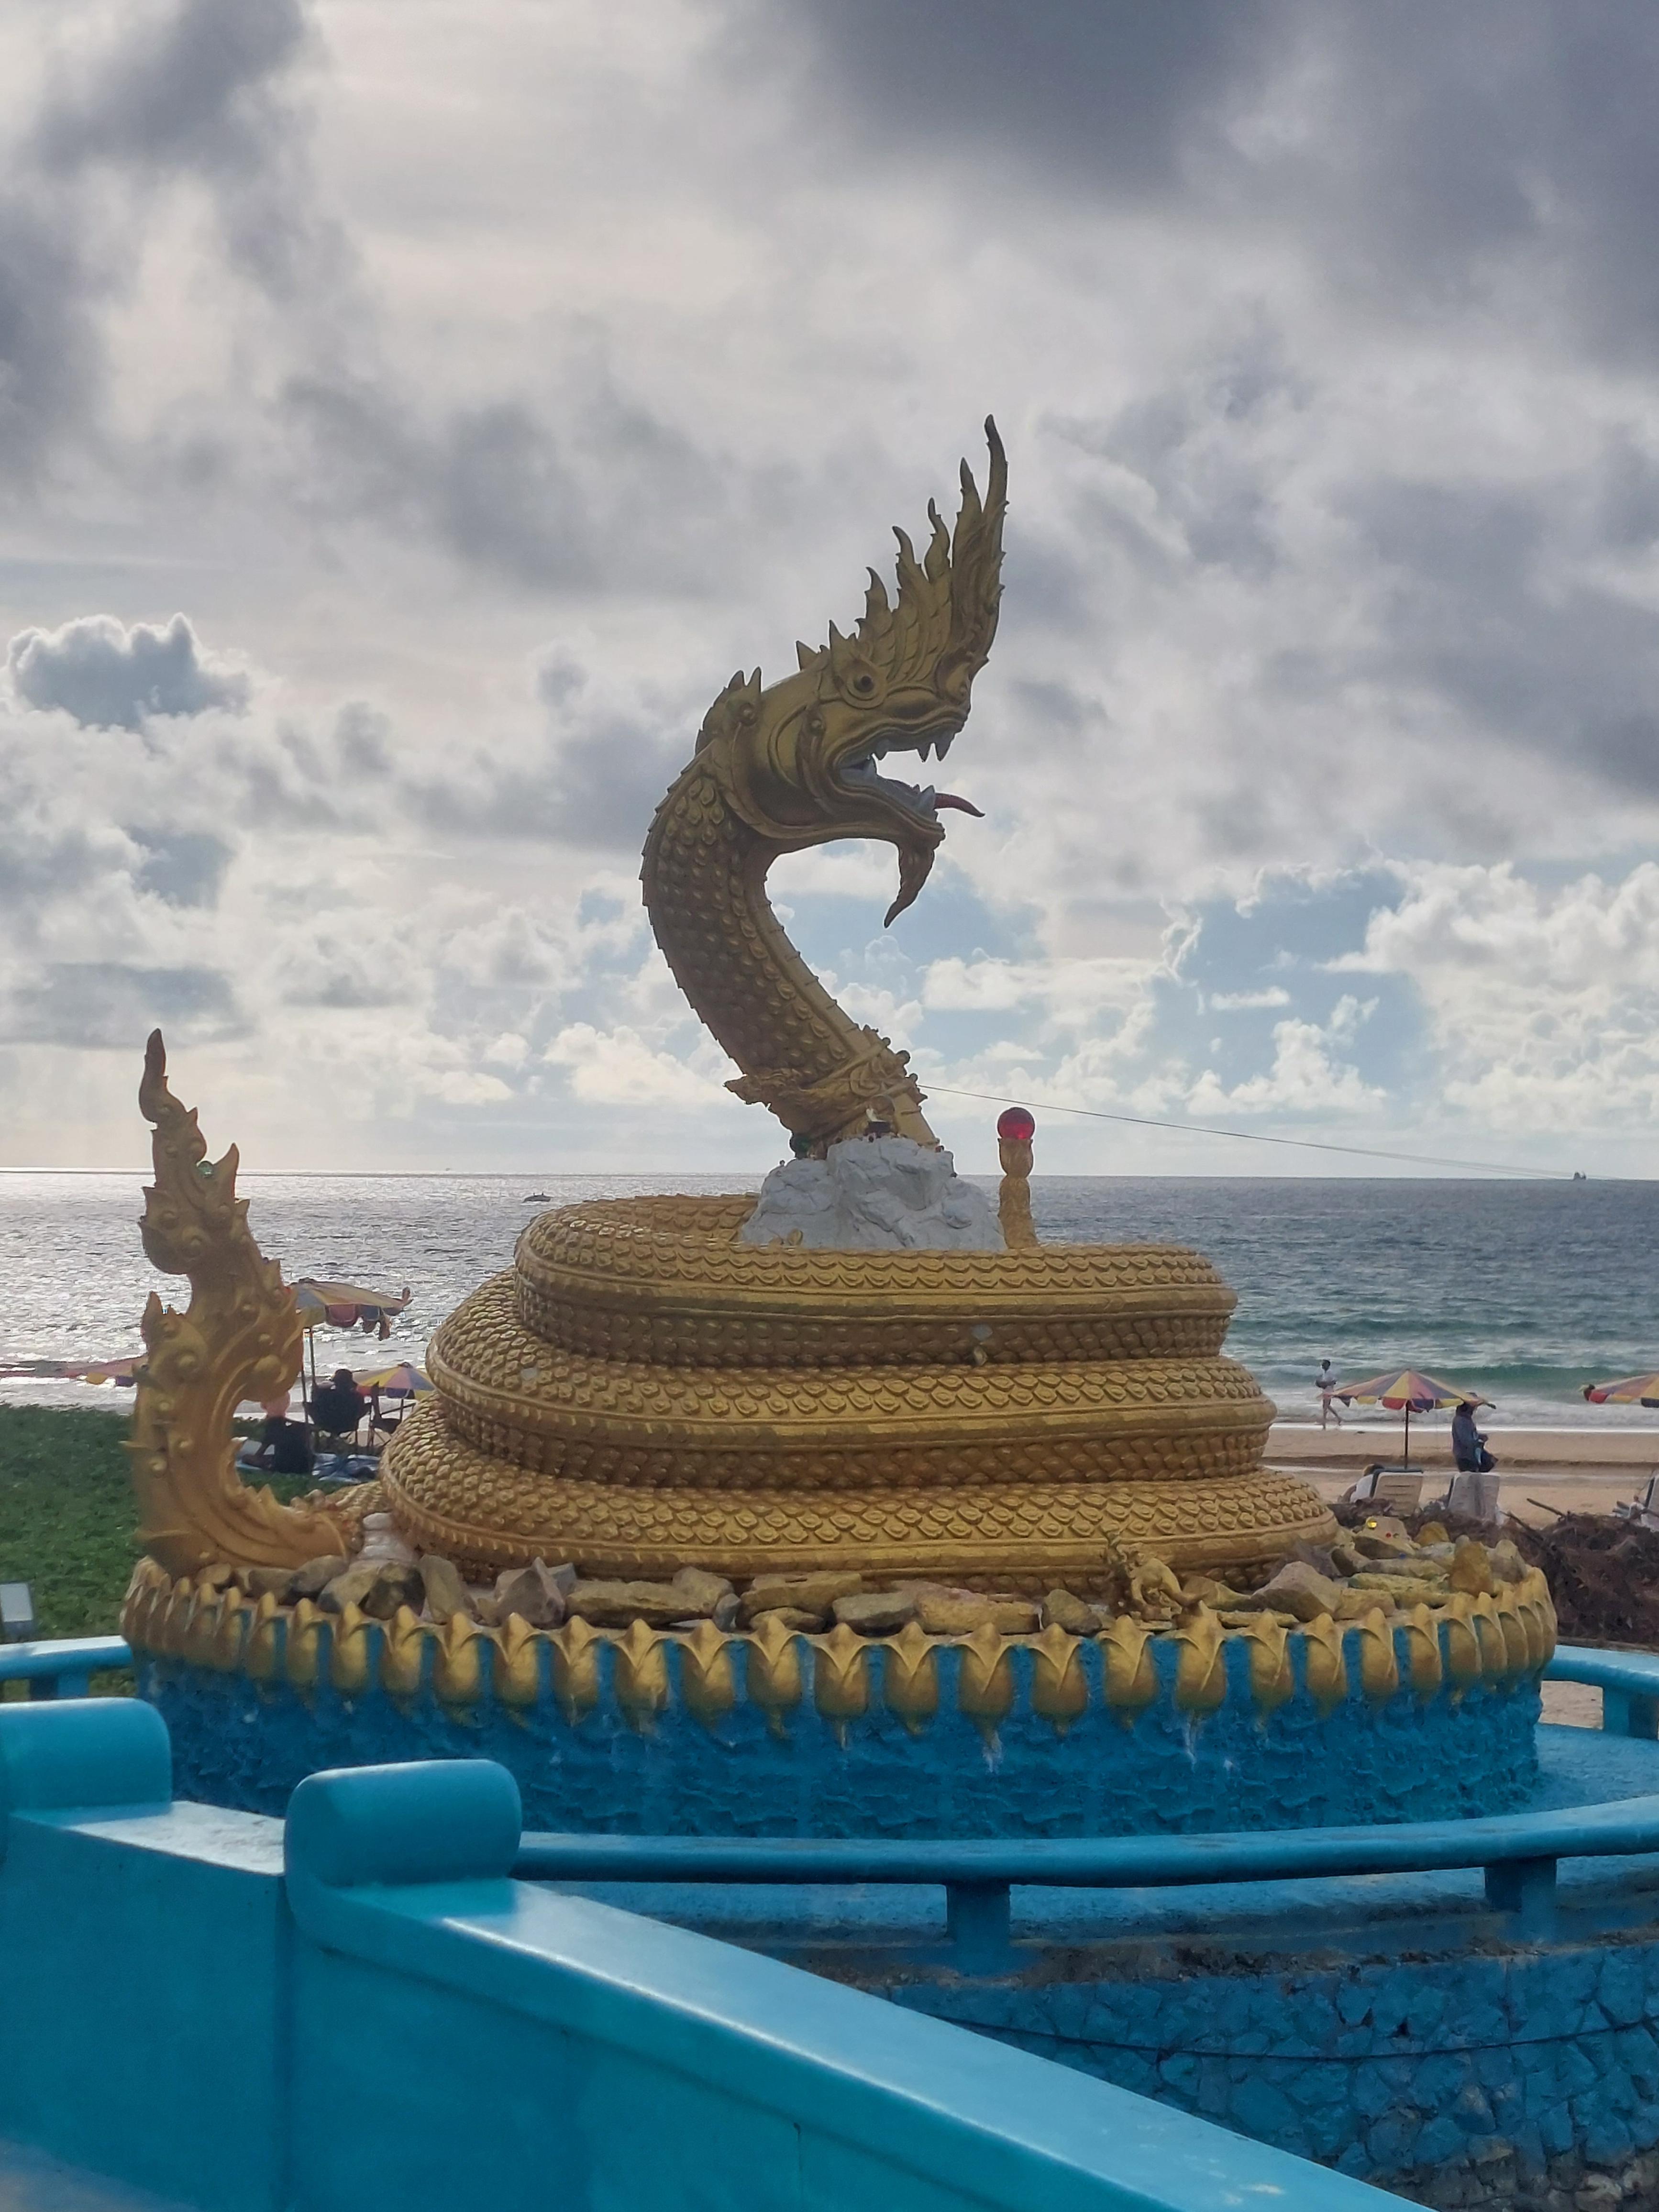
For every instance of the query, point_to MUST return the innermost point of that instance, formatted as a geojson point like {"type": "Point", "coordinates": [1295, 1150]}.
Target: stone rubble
{"type": "Point", "coordinates": [446, 1594]}
{"type": "Point", "coordinates": [538, 1593]}
{"type": "Point", "coordinates": [375, 1586]}
{"type": "Point", "coordinates": [1374, 1569]}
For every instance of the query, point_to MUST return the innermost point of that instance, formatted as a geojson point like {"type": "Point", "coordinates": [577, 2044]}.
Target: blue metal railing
{"type": "Point", "coordinates": [63, 1668]}
{"type": "Point", "coordinates": [1517, 1852]}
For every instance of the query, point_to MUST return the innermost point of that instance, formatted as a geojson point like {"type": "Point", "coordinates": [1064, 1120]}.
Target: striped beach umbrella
{"type": "Point", "coordinates": [1630, 1390]}
{"type": "Point", "coordinates": [344, 1305]}
{"type": "Point", "coordinates": [348, 1306]}
{"type": "Point", "coordinates": [1408, 1391]}
{"type": "Point", "coordinates": [405, 1380]}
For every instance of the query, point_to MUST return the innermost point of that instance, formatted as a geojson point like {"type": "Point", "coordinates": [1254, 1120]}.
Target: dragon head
{"type": "Point", "coordinates": [801, 760]}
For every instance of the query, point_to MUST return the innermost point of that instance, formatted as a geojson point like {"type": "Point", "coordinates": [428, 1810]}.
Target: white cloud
{"type": "Point", "coordinates": [1238, 1002]}
{"type": "Point", "coordinates": [618, 1068]}
{"type": "Point", "coordinates": [1305, 1078]}
{"type": "Point", "coordinates": [1543, 1001]}
{"type": "Point", "coordinates": [110, 677]}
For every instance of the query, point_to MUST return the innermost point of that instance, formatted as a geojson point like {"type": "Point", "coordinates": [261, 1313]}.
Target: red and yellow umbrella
{"type": "Point", "coordinates": [344, 1305]}
{"type": "Point", "coordinates": [348, 1306]}
{"type": "Point", "coordinates": [1406, 1389]}
{"type": "Point", "coordinates": [1632, 1390]}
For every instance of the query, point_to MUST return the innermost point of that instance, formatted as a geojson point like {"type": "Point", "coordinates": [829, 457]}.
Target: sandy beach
{"type": "Point", "coordinates": [1581, 1470]}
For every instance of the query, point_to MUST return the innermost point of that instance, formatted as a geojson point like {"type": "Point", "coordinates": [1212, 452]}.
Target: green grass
{"type": "Point", "coordinates": [67, 1515]}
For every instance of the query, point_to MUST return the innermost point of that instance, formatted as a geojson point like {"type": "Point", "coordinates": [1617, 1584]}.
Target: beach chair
{"type": "Point", "coordinates": [1387, 1486]}
{"type": "Point", "coordinates": [1642, 1511]}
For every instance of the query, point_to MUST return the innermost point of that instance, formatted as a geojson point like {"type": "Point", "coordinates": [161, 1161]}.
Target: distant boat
{"type": "Point", "coordinates": [538, 1198]}
{"type": "Point", "coordinates": [1578, 1176]}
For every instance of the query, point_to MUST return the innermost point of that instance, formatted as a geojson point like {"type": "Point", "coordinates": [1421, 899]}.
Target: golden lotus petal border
{"type": "Point", "coordinates": [1465, 1645]}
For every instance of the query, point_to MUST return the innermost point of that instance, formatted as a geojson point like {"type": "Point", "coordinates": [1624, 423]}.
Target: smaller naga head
{"type": "Point", "coordinates": [801, 761]}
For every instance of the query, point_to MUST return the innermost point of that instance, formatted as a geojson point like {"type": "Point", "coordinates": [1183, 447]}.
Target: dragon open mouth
{"type": "Point", "coordinates": [863, 774]}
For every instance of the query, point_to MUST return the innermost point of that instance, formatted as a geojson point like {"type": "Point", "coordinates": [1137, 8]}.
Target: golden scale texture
{"type": "Point", "coordinates": [1021, 1468]}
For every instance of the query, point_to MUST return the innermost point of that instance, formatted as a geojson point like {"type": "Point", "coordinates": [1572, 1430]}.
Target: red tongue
{"type": "Point", "coordinates": [949, 799]}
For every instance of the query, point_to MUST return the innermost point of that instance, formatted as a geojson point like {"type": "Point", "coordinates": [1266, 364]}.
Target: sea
{"type": "Point", "coordinates": [1523, 1291]}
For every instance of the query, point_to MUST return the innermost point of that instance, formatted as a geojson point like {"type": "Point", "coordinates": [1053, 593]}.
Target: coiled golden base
{"type": "Point", "coordinates": [641, 1393]}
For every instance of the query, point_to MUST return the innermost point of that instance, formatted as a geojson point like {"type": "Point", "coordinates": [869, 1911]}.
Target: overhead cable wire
{"type": "Point", "coordinates": [1256, 1136]}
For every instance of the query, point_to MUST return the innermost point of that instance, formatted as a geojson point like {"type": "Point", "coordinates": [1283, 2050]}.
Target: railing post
{"type": "Point", "coordinates": [1626, 1712]}
{"type": "Point", "coordinates": [1525, 1887]}
{"type": "Point", "coordinates": [60, 1686]}
{"type": "Point", "coordinates": [976, 1919]}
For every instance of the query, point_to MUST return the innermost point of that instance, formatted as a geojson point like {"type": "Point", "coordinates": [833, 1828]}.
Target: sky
{"type": "Point", "coordinates": [411, 412]}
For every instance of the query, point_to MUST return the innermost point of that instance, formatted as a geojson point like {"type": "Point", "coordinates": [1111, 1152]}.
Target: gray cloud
{"type": "Point", "coordinates": [196, 90]}
{"type": "Point", "coordinates": [1109, 90]}
{"type": "Point", "coordinates": [614, 498]}
{"type": "Point", "coordinates": [200, 91]}
{"type": "Point", "coordinates": [362, 738]}
{"type": "Point", "coordinates": [110, 1006]}
{"type": "Point", "coordinates": [594, 780]}
{"type": "Point", "coordinates": [110, 677]}
{"type": "Point", "coordinates": [1449, 146]}
{"type": "Point", "coordinates": [1472, 608]}
{"type": "Point", "coordinates": [1310, 325]}
{"type": "Point", "coordinates": [50, 353]}
{"type": "Point", "coordinates": [183, 867]}
{"type": "Point", "coordinates": [488, 482]}
{"type": "Point", "coordinates": [188, 90]}
{"type": "Point", "coordinates": [1421, 152]}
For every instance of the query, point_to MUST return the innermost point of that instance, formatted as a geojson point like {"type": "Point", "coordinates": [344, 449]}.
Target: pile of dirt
{"type": "Point", "coordinates": [1603, 1576]}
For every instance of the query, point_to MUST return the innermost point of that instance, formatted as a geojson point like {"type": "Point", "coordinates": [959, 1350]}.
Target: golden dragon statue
{"type": "Point", "coordinates": [643, 1391]}
{"type": "Point", "coordinates": [797, 764]}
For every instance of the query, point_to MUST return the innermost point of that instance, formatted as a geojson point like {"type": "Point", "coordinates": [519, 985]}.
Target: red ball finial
{"type": "Point", "coordinates": [1016, 1126]}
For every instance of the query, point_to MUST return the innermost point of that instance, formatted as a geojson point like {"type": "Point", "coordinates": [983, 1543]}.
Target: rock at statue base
{"type": "Point", "coordinates": [874, 1194]}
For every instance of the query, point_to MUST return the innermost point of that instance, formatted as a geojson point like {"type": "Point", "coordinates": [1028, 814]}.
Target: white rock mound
{"type": "Point", "coordinates": [874, 1194]}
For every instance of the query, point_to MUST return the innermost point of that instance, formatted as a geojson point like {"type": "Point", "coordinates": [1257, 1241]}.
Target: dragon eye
{"type": "Point", "coordinates": [864, 682]}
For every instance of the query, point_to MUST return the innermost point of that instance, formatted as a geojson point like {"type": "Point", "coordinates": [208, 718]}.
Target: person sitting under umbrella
{"type": "Point", "coordinates": [337, 1407]}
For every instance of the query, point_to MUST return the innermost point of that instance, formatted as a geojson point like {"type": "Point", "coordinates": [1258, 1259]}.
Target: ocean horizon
{"type": "Point", "coordinates": [1523, 1291]}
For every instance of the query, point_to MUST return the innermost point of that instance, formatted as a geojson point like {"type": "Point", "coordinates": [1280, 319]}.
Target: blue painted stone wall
{"type": "Point", "coordinates": [238, 1744]}
{"type": "Point", "coordinates": [1462, 2079]}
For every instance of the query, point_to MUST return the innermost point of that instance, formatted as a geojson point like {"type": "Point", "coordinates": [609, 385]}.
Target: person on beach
{"type": "Point", "coordinates": [1470, 1453]}
{"type": "Point", "coordinates": [1325, 1383]}
{"type": "Point", "coordinates": [283, 1448]}
{"type": "Point", "coordinates": [337, 1407]}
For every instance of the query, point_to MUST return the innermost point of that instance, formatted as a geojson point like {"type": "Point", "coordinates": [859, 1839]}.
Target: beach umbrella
{"type": "Point", "coordinates": [405, 1380]}
{"type": "Point", "coordinates": [344, 1305]}
{"type": "Point", "coordinates": [348, 1306]}
{"type": "Point", "coordinates": [1632, 1390]}
{"type": "Point", "coordinates": [1409, 1390]}
{"type": "Point", "coordinates": [123, 1372]}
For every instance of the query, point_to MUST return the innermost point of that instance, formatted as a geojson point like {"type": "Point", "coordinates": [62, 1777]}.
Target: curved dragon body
{"type": "Point", "coordinates": [796, 764]}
